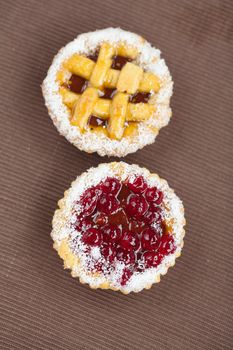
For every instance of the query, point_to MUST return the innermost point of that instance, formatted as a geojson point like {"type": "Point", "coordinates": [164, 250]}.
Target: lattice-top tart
{"type": "Point", "coordinates": [119, 227]}
{"type": "Point", "coordinates": [108, 91]}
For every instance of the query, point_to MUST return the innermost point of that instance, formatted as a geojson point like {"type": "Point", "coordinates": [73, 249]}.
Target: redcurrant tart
{"type": "Point", "coordinates": [119, 227]}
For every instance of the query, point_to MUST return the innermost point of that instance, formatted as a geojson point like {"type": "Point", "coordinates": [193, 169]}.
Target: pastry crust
{"type": "Point", "coordinates": [61, 233]}
{"type": "Point", "coordinates": [146, 132]}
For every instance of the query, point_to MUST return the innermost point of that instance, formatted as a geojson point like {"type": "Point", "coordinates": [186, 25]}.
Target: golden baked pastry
{"type": "Point", "coordinates": [108, 91]}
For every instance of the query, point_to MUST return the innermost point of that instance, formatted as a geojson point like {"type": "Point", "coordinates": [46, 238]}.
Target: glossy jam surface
{"type": "Point", "coordinates": [95, 121]}
{"type": "Point", "coordinates": [94, 56]}
{"type": "Point", "coordinates": [119, 62]}
{"type": "Point", "coordinates": [77, 84]}
{"type": "Point", "coordinates": [126, 222]}
{"type": "Point", "coordinates": [108, 93]}
{"type": "Point", "coordinates": [140, 97]}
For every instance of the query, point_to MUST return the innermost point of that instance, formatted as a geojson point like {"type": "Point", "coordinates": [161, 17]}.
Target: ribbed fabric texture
{"type": "Point", "coordinates": [41, 306]}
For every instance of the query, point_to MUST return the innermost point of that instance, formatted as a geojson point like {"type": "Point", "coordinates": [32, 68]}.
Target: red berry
{"type": "Point", "coordinates": [129, 241]}
{"type": "Point", "coordinates": [138, 185]}
{"type": "Point", "coordinates": [150, 194]}
{"type": "Point", "coordinates": [92, 237]}
{"type": "Point", "coordinates": [100, 219]}
{"type": "Point", "coordinates": [167, 245]}
{"type": "Point", "coordinates": [126, 276]}
{"type": "Point", "coordinates": [154, 196]}
{"type": "Point", "coordinates": [89, 201]}
{"type": "Point", "coordinates": [160, 197]}
{"type": "Point", "coordinates": [128, 257]}
{"type": "Point", "coordinates": [150, 239]}
{"type": "Point", "coordinates": [136, 206]}
{"type": "Point", "coordinates": [108, 252]}
{"type": "Point", "coordinates": [154, 216]}
{"type": "Point", "coordinates": [152, 259]}
{"type": "Point", "coordinates": [108, 204]}
{"type": "Point", "coordinates": [112, 233]}
{"type": "Point", "coordinates": [111, 185]}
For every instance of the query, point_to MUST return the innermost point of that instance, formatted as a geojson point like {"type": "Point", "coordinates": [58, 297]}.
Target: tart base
{"type": "Point", "coordinates": [60, 233]}
{"type": "Point", "coordinates": [98, 141]}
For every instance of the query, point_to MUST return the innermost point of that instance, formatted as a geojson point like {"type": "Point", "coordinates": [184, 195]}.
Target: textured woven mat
{"type": "Point", "coordinates": [41, 306]}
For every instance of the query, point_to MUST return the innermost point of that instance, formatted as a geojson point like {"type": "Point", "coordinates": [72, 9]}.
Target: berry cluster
{"type": "Point", "coordinates": [125, 220]}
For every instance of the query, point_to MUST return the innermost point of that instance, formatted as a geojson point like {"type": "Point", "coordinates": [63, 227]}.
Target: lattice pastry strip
{"type": "Point", "coordinates": [111, 78]}
{"type": "Point", "coordinates": [126, 51]}
{"type": "Point", "coordinates": [129, 78]}
{"type": "Point", "coordinates": [103, 64]}
{"type": "Point", "coordinates": [118, 110]}
{"type": "Point", "coordinates": [80, 65]}
{"type": "Point", "coordinates": [84, 107]}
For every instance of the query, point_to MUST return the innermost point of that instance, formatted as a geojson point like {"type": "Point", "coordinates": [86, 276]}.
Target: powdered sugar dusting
{"type": "Point", "coordinates": [149, 59]}
{"type": "Point", "coordinates": [62, 228]}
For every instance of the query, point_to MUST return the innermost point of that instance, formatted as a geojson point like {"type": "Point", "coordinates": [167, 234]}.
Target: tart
{"type": "Point", "coordinates": [108, 92]}
{"type": "Point", "coordinates": [119, 227]}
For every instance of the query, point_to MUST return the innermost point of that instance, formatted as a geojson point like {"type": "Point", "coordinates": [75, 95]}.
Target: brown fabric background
{"type": "Point", "coordinates": [41, 306]}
